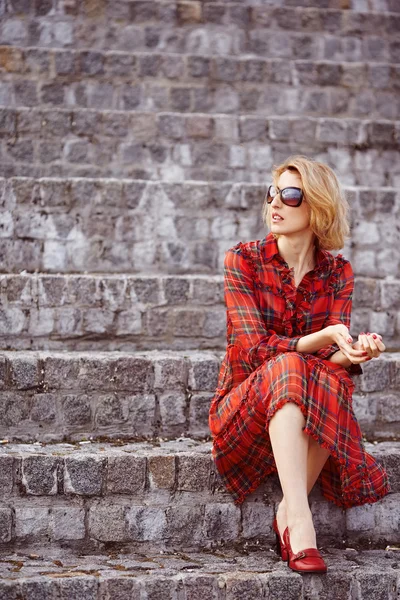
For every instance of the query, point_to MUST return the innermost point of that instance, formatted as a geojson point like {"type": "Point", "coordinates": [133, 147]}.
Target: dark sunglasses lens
{"type": "Point", "coordinates": [271, 193]}
{"type": "Point", "coordinates": [291, 196]}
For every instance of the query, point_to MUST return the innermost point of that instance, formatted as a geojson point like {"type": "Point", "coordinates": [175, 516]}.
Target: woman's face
{"type": "Point", "coordinates": [286, 220]}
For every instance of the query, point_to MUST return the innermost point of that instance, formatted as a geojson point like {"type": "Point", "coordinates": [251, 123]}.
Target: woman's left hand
{"type": "Point", "coordinates": [371, 343]}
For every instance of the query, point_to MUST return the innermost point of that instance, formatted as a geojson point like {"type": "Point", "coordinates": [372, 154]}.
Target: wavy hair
{"type": "Point", "coordinates": [329, 219]}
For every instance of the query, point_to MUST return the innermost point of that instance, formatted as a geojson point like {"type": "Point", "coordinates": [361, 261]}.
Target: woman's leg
{"type": "Point", "coordinates": [297, 461]}
{"type": "Point", "coordinates": [316, 458]}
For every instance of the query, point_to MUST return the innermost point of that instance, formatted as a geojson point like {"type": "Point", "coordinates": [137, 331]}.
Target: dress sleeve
{"type": "Point", "coordinates": [249, 333]}
{"type": "Point", "coordinates": [341, 311]}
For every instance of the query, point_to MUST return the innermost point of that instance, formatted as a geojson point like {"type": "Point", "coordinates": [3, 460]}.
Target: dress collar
{"type": "Point", "coordinates": [269, 250]}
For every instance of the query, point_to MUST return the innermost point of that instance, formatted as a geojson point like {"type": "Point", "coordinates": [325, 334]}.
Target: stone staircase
{"type": "Point", "coordinates": [135, 142]}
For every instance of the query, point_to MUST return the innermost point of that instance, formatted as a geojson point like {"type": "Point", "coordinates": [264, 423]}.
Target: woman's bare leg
{"type": "Point", "coordinates": [297, 471]}
{"type": "Point", "coordinates": [316, 458]}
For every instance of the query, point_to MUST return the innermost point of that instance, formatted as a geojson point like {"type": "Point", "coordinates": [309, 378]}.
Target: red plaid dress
{"type": "Point", "coordinates": [261, 371]}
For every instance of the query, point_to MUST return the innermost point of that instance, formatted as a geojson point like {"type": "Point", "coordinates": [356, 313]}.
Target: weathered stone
{"type": "Point", "coordinates": [126, 474]}
{"type": "Point", "coordinates": [24, 372]}
{"type": "Point", "coordinates": [31, 521]}
{"type": "Point", "coordinates": [256, 520]}
{"type": "Point", "coordinates": [238, 586]}
{"type": "Point", "coordinates": [83, 475]}
{"type": "Point", "coordinates": [221, 521]}
{"type": "Point", "coordinates": [14, 409]}
{"type": "Point", "coordinates": [184, 523]}
{"type": "Point", "coordinates": [194, 472]}
{"type": "Point", "coordinates": [82, 587]}
{"type": "Point", "coordinates": [39, 475]}
{"type": "Point", "coordinates": [173, 411]}
{"type": "Point", "coordinates": [121, 589]}
{"type": "Point", "coordinates": [77, 409]}
{"type": "Point", "coordinates": [170, 373]}
{"type": "Point", "coordinates": [203, 373]}
{"type": "Point", "coordinates": [376, 376]}
{"type": "Point", "coordinates": [147, 523]}
{"type": "Point", "coordinates": [198, 414]}
{"type": "Point", "coordinates": [5, 525]}
{"type": "Point", "coordinates": [162, 472]}
{"type": "Point", "coordinates": [68, 523]}
{"type": "Point", "coordinates": [107, 522]}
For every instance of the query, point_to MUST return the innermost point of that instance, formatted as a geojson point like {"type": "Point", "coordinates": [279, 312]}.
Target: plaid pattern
{"type": "Point", "coordinates": [261, 371]}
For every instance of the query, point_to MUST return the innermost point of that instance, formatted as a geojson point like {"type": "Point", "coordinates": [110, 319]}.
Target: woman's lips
{"type": "Point", "coordinates": [276, 218]}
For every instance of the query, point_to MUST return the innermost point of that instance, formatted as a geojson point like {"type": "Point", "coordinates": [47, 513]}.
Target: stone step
{"type": "Point", "coordinates": [143, 312]}
{"type": "Point", "coordinates": [123, 226]}
{"type": "Point", "coordinates": [177, 147]}
{"type": "Point", "coordinates": [62, 396]}
{"type": "Point", "coordinates": [149, 496]}
{"type": "Point", "coordinates": [313, 30]}
{"type": "Point", "coordinates": [162, 81]}
{"type": "Point", "coordinates": [229, 574]}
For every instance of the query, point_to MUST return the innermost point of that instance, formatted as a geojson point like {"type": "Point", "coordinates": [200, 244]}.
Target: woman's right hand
{"type": "Point", "coordinates": [340, 335]}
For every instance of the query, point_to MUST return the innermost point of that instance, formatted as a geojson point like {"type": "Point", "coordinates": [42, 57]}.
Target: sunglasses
{"type": "Point", "coordinates": [291, 196]}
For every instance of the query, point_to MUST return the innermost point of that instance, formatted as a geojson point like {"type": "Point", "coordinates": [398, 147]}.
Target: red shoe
{"type": "Point", "coordinates": [280, 546]}
{"type": "Point", "coordinates": [305, 561]}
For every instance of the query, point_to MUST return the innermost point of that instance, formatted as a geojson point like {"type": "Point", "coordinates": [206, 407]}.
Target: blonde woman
{"type": "Point", "coordinates": [284, 396]}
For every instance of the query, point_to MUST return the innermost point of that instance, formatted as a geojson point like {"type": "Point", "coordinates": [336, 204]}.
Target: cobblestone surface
{"type": "Point", "coordinates": [163, 494]}
{"type": "Point", "coordinates": [138, 312]}
{"type": "Point", "coordinates": [56, 396]}
{"type": "Point", "coordinates": [142, 81]}
{"type": "Point", "coordinates": [128, 226]}
{"type": "Point", "coordinates": [167, 146]}
{"type": "Point", "coordinates": [220, 575]}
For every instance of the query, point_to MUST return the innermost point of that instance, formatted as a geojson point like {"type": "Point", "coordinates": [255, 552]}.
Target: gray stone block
{"type": "Point", "coordinates": [147, 523]}
{"type": "Point", "coordinates": [173, 412]}
{"type": "Point", "coordinates": [83, 475]}
{"type": "Point", "coordinates": [39, 475]}
{"type": "Point", "coordinates": [376, 376]}
{"type": "Point", "coordinates": [243, 585]}
{"type": "Point", "coordinates": [108, 523]}
{"type": "Point", "coordinates": [10, 590]}
{"type": "Point", "coordinates": [14, 409]}
{"type": "Point", "coordinates": [194, 472]}
{"type": "Point", "coordinates": [32, 521]}
{"type": "Point", "coordinates": [44, 408]}
{"type": "Point", "coordinates": [83, 587]}
{"type": "Point", "coordinates": [6, 475]}
{"type": "Point", "coordinates": [170, 373]}
{"type": "Point", "coordinates": [256, 520]}
{"type": "Point", "coordinates": [198, 414]}
{"type": "Point", "coordinates": [200, 587]}
{"type": "Point", "coordinates": [162, 471]}
{"type": "Point", "coordinates": [126, 474]}
{"type": "Point", "coordinates": [221, 521]}
{"type": "Point", "coordinates": [24, 372]}
{"type": "Point", "coordinates": [67, 523]}
{"type": "Point", "coordinates": [76, 409]}
{"type": "Point", "coordinates": [122, 589]}
{"type": "Point", "coordinates": [5, 525]}
{"type": "Point", "coordinates": [161, 588]}
{"type": "Point", "coordinates": [203, 373]}
{"type": "Point", "coordinates": [184, 523]}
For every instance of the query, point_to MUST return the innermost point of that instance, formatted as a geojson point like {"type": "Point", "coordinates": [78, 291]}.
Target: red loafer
{"type": "Point", "coordinates": [280, 546]}
{"type": "Point", "coordinates": [308, 560]}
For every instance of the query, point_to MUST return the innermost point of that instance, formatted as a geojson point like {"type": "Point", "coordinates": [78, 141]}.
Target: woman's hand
{"type": "Point", "coordinates": [355, 353]}
{"type": "Point", "coordinates": [370, 343]}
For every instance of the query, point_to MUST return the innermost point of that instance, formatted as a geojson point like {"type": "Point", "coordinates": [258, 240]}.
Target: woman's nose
{"type": "Point", "coordinates": [276, 201]}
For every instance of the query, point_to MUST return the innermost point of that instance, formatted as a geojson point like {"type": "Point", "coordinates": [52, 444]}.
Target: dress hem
{"type": "Point", "coordinates": [350, 498]}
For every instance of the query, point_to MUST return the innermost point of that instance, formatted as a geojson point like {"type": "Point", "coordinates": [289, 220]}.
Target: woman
{"type": "Point", "coordinates": [284, 396]}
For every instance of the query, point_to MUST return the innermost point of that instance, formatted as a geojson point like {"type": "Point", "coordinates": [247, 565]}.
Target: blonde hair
{"type": "Point", "coordinates": [329, 219]}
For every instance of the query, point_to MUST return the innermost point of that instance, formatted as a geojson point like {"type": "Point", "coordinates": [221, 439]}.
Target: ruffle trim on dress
{"type": "Point", "coordinates": [248, 254]}
{"type": "Point", "coordinates": [350, 497]}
